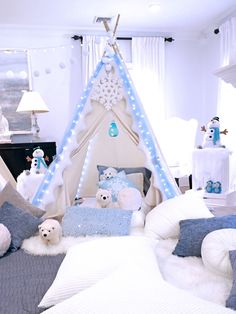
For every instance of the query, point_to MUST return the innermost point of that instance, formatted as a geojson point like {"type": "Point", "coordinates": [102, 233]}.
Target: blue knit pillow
{"type": "Point", "coordinates": [81, 221]}
{"type": "Point", "coordinates": [193, 231]}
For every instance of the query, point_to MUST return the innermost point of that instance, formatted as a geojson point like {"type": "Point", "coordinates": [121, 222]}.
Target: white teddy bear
{"type": "Point", "coordinates": [108, 173]}
{"type": "Point", "coordinates": [103, 198]}
{"type": "Point", "coordinates": [50, 231]}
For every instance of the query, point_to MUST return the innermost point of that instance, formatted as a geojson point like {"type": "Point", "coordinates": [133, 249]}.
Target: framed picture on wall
{"type": "Point", "coordinates": [14, 79]}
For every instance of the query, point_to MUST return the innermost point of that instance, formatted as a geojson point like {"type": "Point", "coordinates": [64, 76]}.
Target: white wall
{"type": "Point", "coordinates": [190, 85]}
{"type": "Point", "coordinates": [55, 68]}
{"type": "Point", "coordinates": [190, 89]}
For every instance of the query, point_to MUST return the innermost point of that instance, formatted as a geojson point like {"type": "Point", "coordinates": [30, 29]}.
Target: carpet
{"type": "Point", "coordinates": [189, 273]}
{"type": "Point", "coordinates": [35, 246]}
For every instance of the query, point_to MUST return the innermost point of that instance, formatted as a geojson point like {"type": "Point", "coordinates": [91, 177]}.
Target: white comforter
{"type": "Point", "coordinates": [133, 286]}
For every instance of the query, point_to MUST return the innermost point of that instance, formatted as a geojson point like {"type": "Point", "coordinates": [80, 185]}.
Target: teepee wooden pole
{"type": "Point", "coordinates": [114, 46]}
{"type": "Point", "coordinates": [116, 25]}
{"type": "Point", "coordinates": [106, 25]}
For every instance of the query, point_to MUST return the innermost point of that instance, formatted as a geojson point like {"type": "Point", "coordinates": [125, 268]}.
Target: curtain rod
{"type": "Point", "coordinates": [77, 37]}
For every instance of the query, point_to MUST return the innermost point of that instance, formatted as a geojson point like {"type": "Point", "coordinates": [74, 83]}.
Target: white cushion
{"type": "Point", "coordinates": [87, 263]}
{"type": "Point", "coordinates": [215, 251]}
{"type": "Point", "coordinates": [162, 222]}
{"type": "Point", "coordinates": [136, 287]}
{"type": "Point", "coordinates": [129, 198]}
{"type": "Point", "coordinates": [5, 239]}
{"type": "Point", "coordinates": [3, 182]}
{"type": "Point", "coordinates": [137, 179]}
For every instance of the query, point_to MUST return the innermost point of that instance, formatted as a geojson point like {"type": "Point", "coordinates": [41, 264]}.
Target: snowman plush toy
{"type": "Point", "coordinates": [38, 164]}
{"type": "Point", "coordinates": [212, 134]}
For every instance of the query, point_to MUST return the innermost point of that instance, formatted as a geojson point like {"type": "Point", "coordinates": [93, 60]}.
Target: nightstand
{"type": "Point", "coordinates": [14, 154]}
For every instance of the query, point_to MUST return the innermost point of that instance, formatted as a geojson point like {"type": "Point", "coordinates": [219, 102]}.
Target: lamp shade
{"type": "Point", "coordinates": [32, 101]}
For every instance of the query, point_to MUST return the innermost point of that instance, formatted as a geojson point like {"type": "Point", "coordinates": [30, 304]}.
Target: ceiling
{"type": "Point", "coordinates": [174, 16]}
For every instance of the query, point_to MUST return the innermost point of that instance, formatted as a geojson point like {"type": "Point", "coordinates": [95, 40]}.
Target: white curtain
{"type": "Point", "coordinates": [148, 65]}
{"type": "Point", "coordinates": [227, 93]}
{"type": "Point", "coordinates": [228, 42]}
{"type": "Point", "coordinates": [147, 70]}
{"type": "Point", "coordinates": [92, 51]}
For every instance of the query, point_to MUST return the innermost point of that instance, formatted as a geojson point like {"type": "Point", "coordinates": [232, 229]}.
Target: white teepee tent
{"type": "Point", "coordinates": [108, 99]}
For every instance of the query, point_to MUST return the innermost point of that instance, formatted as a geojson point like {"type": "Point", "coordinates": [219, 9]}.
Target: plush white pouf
{"type": "Point", "coordinates": [27, 184]}
{"type": "Point", "coordinates": [129, 198]}
{"type": "Point", "coordinates": [5, 239]}
{"type": "Point", "coordinates": [215, 251]}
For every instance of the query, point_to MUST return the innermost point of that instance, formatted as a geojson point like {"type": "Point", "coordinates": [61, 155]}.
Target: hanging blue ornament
{"type": "Point", "coordinates": [113, 130]}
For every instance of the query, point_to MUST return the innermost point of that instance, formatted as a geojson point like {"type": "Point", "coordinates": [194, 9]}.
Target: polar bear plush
{"type": "Point", "coordinates": [50, 231]}
{"type": "Point", "coordinates": [103, 198]}
{"type": "Point", "coordinates": [108, 173]}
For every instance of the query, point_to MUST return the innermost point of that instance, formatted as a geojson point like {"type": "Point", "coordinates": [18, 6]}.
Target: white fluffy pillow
{"type": "Point", "coordinates": [5, 239]}
{"type": "Point", "coordinates": [87, 263]}
{"type": "Point", "coordinates": [129, 198]}
{"type": "Point", "coordinates": [136, 287]}
{"type": "Point", "coordinates": [137, 179]}
{"type": "Point", "coordinates": [162, 222]}
{"type": "Point", "coordinates": [215, 251]}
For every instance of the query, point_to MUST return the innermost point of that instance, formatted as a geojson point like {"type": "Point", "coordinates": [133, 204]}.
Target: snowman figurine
{"type": "Point", "coordinates": [38, 164]}
{"type": "Point", "coordinates": [212, 134]}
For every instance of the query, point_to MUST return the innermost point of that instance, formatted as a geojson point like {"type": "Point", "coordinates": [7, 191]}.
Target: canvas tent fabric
{"type": "Point", "coordinates": [5, 174]}
{"type": "Point", "coordinates": [108, 96]}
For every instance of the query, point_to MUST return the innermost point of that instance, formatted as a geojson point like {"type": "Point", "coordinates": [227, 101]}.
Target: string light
{"type": "Point", "coordinates": [66, 141]}
{"type": "Point", "coordinates": [139, 117]}
{"type": "Point", "coordinates": [85, 165]}
{"type": "Point", "coordinates": [169, 192]}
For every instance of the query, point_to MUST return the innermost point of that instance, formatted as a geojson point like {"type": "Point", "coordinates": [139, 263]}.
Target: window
{"type": "Point", "coordinates": [13, 80]}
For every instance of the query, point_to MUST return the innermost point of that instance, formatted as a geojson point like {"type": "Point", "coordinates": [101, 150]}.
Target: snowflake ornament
{"type": "Point", "coordinates": [108, 90]}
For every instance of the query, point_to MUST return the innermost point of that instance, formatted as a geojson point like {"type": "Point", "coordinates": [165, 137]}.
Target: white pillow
{"type": "Point", "coordinates": [162, 222]}
{"type": "Point", "coordinates": [136, 287]}
{"type": "Point", "coordinates": [3, 182]}
{"type": "Point", "coordinates": [215, 251]}
{"type": "Point", "coordinates": [129, 198]}
{"type": "Point", "coordinates": [87, 263]}
{"type": "Point", "coordinates": [137, 179]}
{"type": "Point", "coordinates": [5, 239]}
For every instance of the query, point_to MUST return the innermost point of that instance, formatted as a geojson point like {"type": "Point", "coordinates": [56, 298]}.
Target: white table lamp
{"type": "Point", "coordinates": [31, 101]}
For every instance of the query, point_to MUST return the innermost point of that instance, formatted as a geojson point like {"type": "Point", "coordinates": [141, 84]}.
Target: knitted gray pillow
{"type": "Point", "coordinates": [20, 224]}
{"type": "Point", "coordinates": [193, 231]}
{"type": "Point", "coordinates": [128, 170]}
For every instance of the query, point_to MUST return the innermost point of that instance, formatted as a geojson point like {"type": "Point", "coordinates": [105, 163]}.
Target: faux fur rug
{"type": "Point", "coordinates": [36, 246]}
{"type": "Point", "coordinates": [189, 273]}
